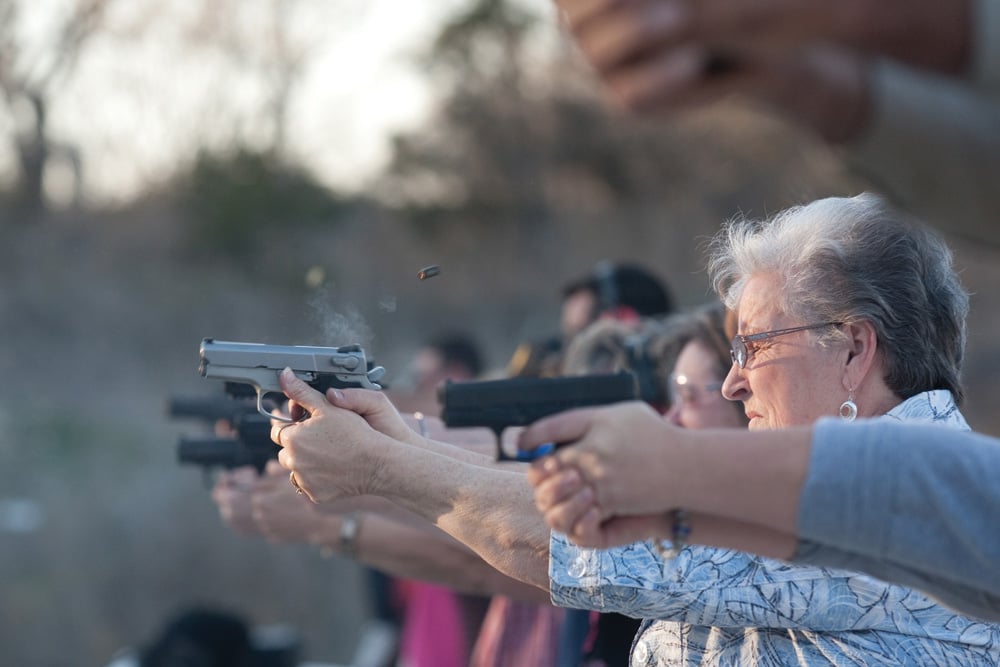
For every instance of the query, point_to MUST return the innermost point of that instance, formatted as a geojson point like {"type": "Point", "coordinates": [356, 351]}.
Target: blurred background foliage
{"type": "Point", "coordinates": [519, 177]}
{"type": "Point", "coordinates": [227, 199]}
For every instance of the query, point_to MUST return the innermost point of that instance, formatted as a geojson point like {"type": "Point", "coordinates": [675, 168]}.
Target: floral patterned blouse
{"type": "Point", "coordinates": [722, 607]}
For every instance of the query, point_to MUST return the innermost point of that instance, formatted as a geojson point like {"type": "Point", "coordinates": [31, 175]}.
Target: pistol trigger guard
{"type": "Point", "coordinates": [270, 415]}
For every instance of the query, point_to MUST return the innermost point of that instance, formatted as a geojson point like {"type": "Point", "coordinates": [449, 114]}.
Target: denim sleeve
{"type": "Point", "coordinates": [917, 505]}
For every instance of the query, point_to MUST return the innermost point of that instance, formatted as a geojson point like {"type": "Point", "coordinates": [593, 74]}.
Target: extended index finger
{"type": "Point", "coordinates": [563, 428]}
{"type": "Point", "coordinates": [301, 393]}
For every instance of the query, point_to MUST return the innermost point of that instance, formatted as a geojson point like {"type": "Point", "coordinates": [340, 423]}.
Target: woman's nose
{"type": "Point", "coordinates": [735, 387]}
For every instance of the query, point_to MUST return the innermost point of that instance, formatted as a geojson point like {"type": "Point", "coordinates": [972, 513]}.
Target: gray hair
{"type": "Point", "coordinates": [857, 259]}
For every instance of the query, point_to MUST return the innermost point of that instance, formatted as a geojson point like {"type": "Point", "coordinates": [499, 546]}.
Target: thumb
{"type": "Point", "coordinates": [365, 402]}
{"type": "Point", "coordinates": [375, 408]}
{"type": "Point", "coordinates": [300, 392]}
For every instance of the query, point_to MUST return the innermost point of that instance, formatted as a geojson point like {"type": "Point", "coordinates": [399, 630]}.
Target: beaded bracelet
{"type": "Point", "coordinates": [680, 529]}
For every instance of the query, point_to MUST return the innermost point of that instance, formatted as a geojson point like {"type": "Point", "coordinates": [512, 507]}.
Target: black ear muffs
{"type": "Point", "coordinates": [608, 295]}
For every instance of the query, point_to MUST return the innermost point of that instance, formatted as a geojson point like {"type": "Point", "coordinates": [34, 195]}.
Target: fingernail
{"type": "Point", "coordinates": [287, 373]}
{"type": "Point", "coordinates": [337, 394]}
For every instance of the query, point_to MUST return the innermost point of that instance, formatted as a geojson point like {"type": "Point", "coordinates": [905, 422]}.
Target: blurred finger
{"type": "Point", "coordinates": [563, 428]}
{"type": "Point", "coordinates": [286, 459]}
{"type": "Point", "coordinates": [577, 15]}
{"type": "Point", "coordinates": [277, 428]}
{"type": "Point", "coordinates": [565, 515]}
{"type": "Point", "coordinates": [661, 83]}
{"type": "Point", "coordinates": [542, 468]}
{"type": "Point", "coordinates": [643, 31]}
{"type": "Point", "coordinates": [586, 532]}
{"type": "Point", "coordinates": [557, 488]}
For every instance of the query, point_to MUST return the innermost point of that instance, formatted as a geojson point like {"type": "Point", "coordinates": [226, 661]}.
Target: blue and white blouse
{"type": "Point", "coordinates": [722, 607]}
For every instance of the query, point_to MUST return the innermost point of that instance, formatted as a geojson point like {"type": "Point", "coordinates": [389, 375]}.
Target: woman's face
{"type": "Point", "coordinates": [788, 379]}
{"type": "Point", "coordinates": [697, 391]}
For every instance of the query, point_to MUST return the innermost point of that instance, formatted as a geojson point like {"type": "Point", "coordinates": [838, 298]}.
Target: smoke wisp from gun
{"type": "Point", "coordinates": [342, 326]}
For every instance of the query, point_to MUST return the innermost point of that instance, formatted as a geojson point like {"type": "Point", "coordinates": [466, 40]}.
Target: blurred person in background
{"type": "Point", "coordinates": [206, 637]}
{"type": "Point", "coordinates": [621, 291]}
{"type": "Point", "coordinates": [437, 624]}
{"type": "Point", "coordinates": [695, 385]}
{"type": "Point", "coordinates": [448, 356]}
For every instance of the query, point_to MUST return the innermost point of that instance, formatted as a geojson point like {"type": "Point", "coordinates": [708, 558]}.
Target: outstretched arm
{"type": "Point", "coordinates": [399, 544]}
{"type": "Point", "coordinates": [360, 447]}
{"type": "Point", "coordinates": [862, 496]}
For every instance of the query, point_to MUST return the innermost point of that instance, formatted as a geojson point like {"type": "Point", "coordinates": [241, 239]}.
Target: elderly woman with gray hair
{"type": "Point", "coordinates": [844, 308]}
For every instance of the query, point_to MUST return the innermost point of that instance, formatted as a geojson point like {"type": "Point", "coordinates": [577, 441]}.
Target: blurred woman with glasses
{"type": "Point", "coordinates": [695, 385]}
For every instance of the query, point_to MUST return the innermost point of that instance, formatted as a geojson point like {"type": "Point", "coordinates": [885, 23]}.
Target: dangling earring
{"type": "Point", "coordinates": [849, 409]}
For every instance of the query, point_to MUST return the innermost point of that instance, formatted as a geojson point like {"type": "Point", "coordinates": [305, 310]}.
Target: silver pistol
{"type": "Point", "coordinates": [259, 365]}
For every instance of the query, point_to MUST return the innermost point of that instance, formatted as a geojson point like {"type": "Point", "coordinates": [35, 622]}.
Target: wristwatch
{"type": "Point", "coordinates": [350, 526]}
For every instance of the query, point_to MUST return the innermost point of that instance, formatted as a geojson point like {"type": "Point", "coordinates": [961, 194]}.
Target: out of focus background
{"type": "Point", "coordinates": [279, 171]}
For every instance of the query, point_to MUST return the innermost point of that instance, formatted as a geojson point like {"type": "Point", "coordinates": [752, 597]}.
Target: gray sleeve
{"type": "Point", "coordinates": [986, 45]}
{"type": "Point", "coordinates": [933, 145]}
{"type": "Point", "coordinates": [917, 505]}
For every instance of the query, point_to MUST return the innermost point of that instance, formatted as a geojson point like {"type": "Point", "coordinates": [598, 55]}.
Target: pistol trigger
{"type": "Point", "coordinates": [269, 414]}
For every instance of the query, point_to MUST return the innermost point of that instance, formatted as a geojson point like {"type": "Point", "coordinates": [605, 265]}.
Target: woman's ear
{"type": "Point", "coordinates": [862, 346]}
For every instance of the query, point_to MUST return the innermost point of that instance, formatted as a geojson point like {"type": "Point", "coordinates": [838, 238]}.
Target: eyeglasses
{"type": "Point", "coordinates": [681, 390]}
{"type": "Point", "coordinates": [741, 352]}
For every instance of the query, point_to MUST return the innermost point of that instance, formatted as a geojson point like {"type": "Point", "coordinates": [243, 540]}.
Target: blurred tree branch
{"type": "Point", "coordinates": [28, 75]}
{"type": "Point", "coordinates": [274, 41]}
